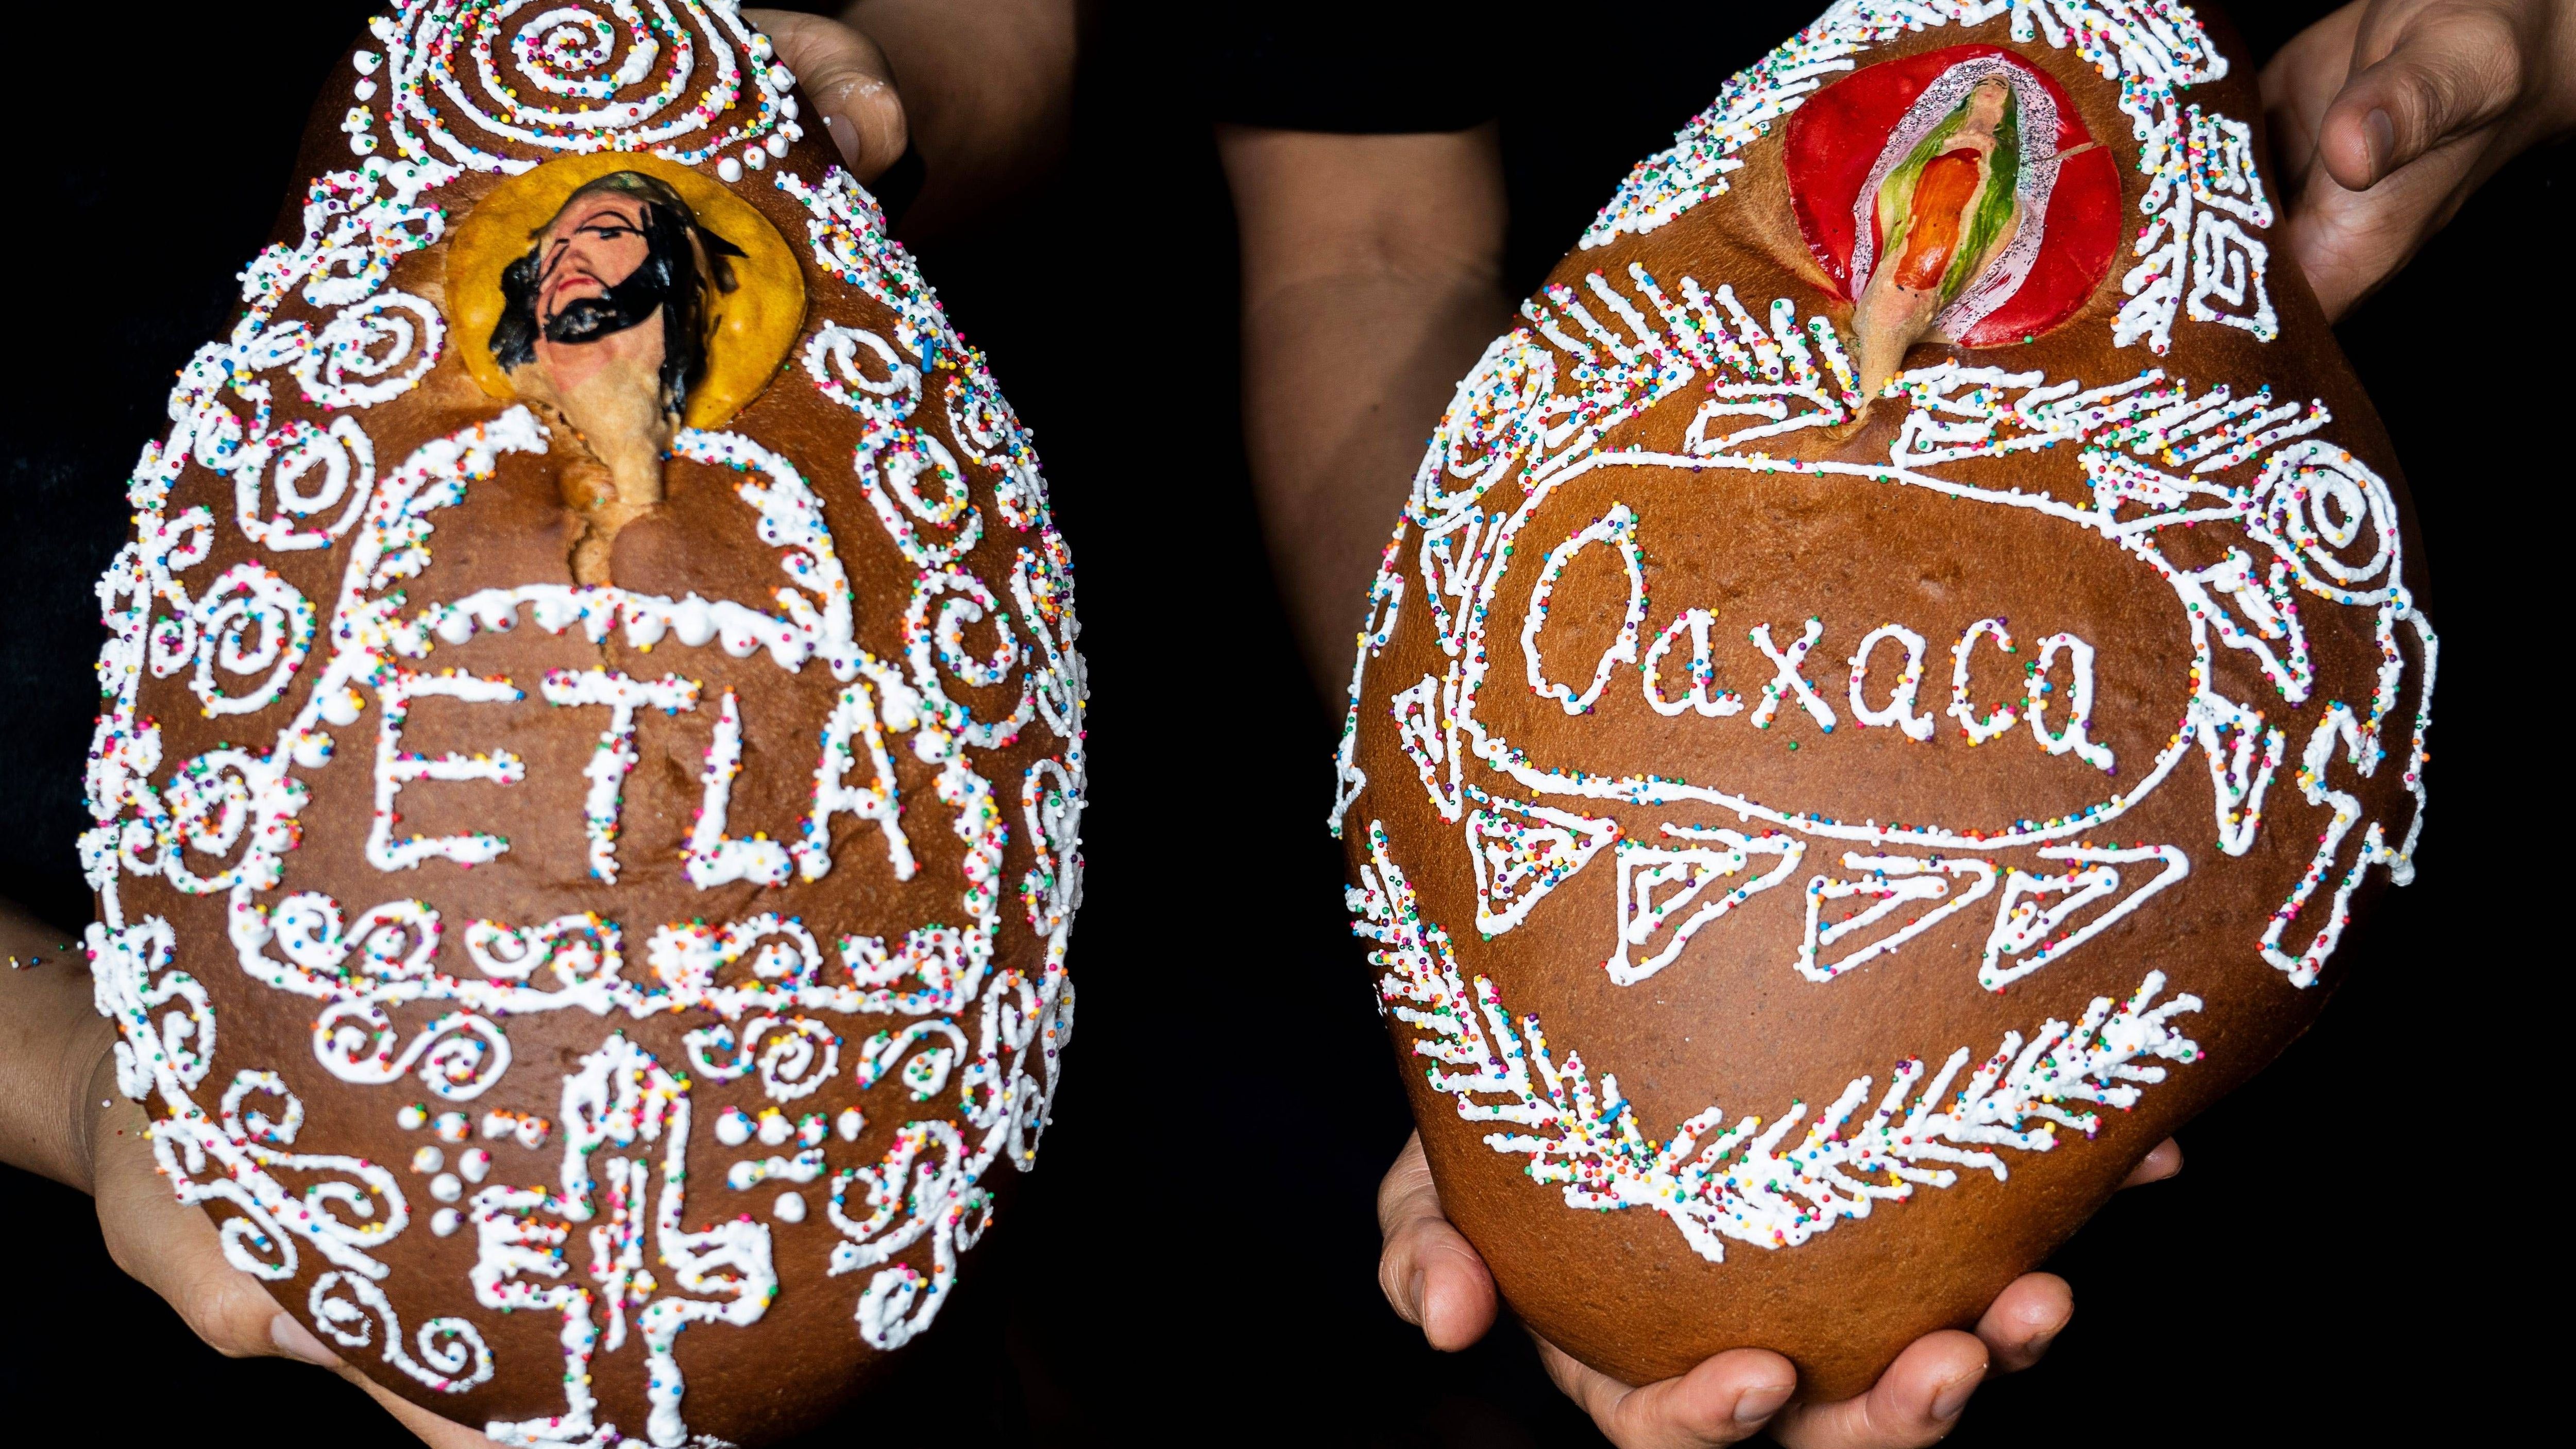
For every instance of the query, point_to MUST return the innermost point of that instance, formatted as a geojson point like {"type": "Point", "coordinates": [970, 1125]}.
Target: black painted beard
{"type": "Point", "coordinates": [628, 304]}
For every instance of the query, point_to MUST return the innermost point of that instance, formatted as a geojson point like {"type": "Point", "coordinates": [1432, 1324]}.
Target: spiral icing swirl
{"type": "Point", "coordinates": [582, 76]}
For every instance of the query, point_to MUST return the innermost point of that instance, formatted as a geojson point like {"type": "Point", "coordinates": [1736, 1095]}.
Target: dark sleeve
{"type": "Point", "coordinates": [62, 517]}
{"type": "Point", "coordinates": [1354, 68]}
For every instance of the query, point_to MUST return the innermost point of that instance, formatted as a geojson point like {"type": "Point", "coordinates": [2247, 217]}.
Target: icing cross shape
{"type": "Point", "coordinates": [619, 1100]}
{"type": "Point", "coordinates": [1588, 382]}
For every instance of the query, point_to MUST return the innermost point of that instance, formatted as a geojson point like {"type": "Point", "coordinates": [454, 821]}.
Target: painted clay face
{"type": "Point", "coordinates": [597, 244]}
{"type": "Point", "coordinates": [1894, 684]}
{"type": "Point", "coordinates": [605, 321]}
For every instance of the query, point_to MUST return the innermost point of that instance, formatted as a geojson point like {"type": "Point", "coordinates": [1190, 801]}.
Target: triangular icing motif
{"type": "Point", "coordinates": [1523, 851]}
{"type": "Point", "coordinates": [1454, 558]}
{"type": "Point", "coordinates": [2242, 756]}
{"type": "Point", "coordinates": [1895, 881]}
{"type": "Point", "coordinates": [1661, 891]}
{"type": "Point", "coordinates": [2259, 615]}
{"type": "Point", "coordinates": [2031, 921]}
{"type": "Point", "coordinates": [2158, 499]}
{"type": "Point", "coordinates": [1386, 601]}
{"type": "Point", "coordinates": [1427, 731]}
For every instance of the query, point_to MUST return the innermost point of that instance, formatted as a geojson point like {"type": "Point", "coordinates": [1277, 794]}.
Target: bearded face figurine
{"type": "Point", "coordinates": [605, 322]}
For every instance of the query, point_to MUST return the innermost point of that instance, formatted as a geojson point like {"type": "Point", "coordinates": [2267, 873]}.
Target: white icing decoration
{"type": "Point", "coordinates": [248, 621]}
{"type": "Point", "coordinates": [1787, 682]}
{"type": "Point", "coordinates": [1618, 529]}
{"type": "Point", "coordinates": [372, 352]}
{"type": "Point", "coordinates": [529, 1132]}
{"type": "Point", "coordinates": [926, 1071]}
{"type": "Point", "coordinates": [396, 768]}
{"type": "Point", "coordinates": [2079, 704]}
{"type": "Point", "coordinates": [801, 1055]}
{"type": "Point", "coordinates": [1979, 729]}
{"type": "Point", "coordinates": [344, 459]}
{"type": "Point", "coordinates": [920, 1189]}
{"type": "Point", "coordinates": [452, 1356]}
{"type": "Point", "coordinates": [621, 1100]}
{"type": "Point", "coordinates": [1703, 673]}
{"type": "Point", "coordinates": [448, 100]}
{"type": "Point", "coordinates": [1658, 884]}
{"type": "Point", "coordinates": [1892, 881]}
{"type": "Point", "coordinates": [1520, 852]}
{"type": "Point", "coordinates": [227, 820]}
{"type": "Point", "coordinates": [2314, 508]}
{"type": "Point", "coordinates": [1751, 1182]}
{"type": "Point", "coordinates": [714, 857]}
{"type": "Point", "coordinates": [2023, 924]}
{"type": "Point", "coordinates": [753, 1171]}
{"type": "Point", "coordinates": [1899, 711]}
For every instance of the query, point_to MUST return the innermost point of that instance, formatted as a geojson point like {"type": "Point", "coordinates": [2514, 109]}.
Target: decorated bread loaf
{"type": "Point", "coordinates": [1896, 683]}
{"type": "Point", "coordinates": [591, 746]}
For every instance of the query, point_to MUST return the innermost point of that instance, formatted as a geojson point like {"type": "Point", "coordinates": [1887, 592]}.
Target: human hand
{"type": "Point", "coordinates": [846, 76]}
{"type": "Point", "coordinates": [62, 1117]}
{"type": "Point", "coordinates": [985, 104]}
{"type": "Point", "coordinates": [1434, 1279]}
{"type": "Point", "coordinates": [2386, 114]}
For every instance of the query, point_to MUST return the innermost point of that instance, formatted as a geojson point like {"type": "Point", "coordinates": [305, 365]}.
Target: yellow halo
{"type": "Point", "coordinates": [752, 326]}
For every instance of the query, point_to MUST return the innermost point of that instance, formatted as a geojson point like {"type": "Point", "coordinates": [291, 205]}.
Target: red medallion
{"type": "Point", "coordinates": [1836, 138]}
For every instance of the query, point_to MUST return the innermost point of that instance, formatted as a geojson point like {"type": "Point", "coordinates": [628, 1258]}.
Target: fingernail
{"type": "Point", "coordinates": [297, 1342]}
{"type": "Point", "coordinates": [1757, 1404]}
{"type": "Point", "coordinates": [1954, 1396]}
{"type": "Point", "coordinates": [844, 136]}
{"type": "Point", "coordinates": [2382, 136]}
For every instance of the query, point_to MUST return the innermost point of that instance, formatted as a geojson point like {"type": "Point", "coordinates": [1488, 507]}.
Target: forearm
{"type": "Point", "coordinates": [52, 1043]}
{"type": "Point", "coordinates": [1372, 271]}
{"type": "Point", "coordinates": [987, 90]}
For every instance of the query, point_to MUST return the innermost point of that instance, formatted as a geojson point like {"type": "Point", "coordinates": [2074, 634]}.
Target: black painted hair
{"type": "Point", "coordinates": [668, 279]}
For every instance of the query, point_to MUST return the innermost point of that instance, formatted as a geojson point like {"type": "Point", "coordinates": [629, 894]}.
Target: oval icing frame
{"type": "Point", "coordinates": [754, 325]}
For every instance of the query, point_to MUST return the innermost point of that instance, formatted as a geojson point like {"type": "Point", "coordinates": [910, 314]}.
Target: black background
{"type": "Point", "coordinates": [2362, 1236]}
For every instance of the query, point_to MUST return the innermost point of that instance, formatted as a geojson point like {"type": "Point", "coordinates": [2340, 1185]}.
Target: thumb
{"type": "Point", "coordinates": [849, 82]}
{"type": "Point", "coordinates": [1431, 1275]}
{"type": "Point", "coordinates": [173, 1249]}
{"type": "Point", "coordinates": [2450, 70]}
